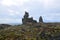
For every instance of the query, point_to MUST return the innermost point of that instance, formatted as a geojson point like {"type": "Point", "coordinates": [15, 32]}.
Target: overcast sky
{"type": "Point", "coordinates": [12, 11]}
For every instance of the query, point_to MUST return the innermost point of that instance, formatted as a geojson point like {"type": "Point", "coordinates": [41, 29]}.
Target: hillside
{"type": "Point", "coordinates": [26, 32]}
{"type": "Point", "coordinates": [30, 29]}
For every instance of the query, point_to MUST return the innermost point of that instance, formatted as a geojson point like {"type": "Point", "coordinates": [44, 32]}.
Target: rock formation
{"type": "Point", "coordinates": [40, 19]}
{"type": "Point", "coordinates": [26, 19]}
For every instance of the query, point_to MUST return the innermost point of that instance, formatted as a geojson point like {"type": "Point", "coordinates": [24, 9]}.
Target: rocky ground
{"type": "Point", "coordinates": [27, 32]}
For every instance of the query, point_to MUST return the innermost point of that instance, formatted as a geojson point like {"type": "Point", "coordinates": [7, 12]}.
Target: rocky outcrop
{"type": "Point", "coordinates": [40, 19]}
{"type": "Point", "coordinates": [26, 19]}
{"type": "Point", "coordinates": [2, 26]}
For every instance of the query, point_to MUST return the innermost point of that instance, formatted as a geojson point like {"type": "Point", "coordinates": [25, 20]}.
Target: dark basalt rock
{"type": "Point", "coordinates": [26, 19]}
{"type": "Point", "coordinates": [40, 19]}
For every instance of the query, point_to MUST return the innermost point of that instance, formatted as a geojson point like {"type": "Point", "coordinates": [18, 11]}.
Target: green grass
{"type": "Point", "coordinates": [23, 32]}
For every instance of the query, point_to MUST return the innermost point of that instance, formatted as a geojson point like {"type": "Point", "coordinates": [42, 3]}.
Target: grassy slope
{"type": "Point", "coordinates": [25, 32]}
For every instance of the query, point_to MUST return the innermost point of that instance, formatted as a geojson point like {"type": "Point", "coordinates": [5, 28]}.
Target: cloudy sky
{"type": "Point", "coordinates": [12, 11]}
